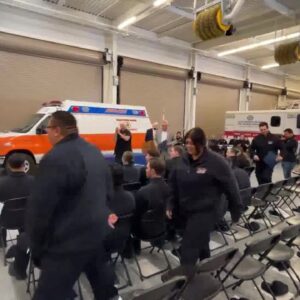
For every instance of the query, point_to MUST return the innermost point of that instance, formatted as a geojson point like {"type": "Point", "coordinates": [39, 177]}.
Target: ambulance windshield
{"type": "Point", "coordinates": [29, 124]}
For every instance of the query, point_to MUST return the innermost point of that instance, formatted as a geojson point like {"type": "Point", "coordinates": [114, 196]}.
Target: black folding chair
{"type": "Point", "coordinates": [244, 267]}
{"type": "Point", "coordinates": [289, 193]}
{"type": "Point", "coordinates": [12, 218]}
{"type": "Point", "coordinates": [195, 289]}
{"type": "Point", "coordinates": [153, 231]}
{"type": "Point", "coordinates": [260, 204]}
{"type": "Point", "coordinates": [116, 244]}
{"type": "Point", "coordinates": [165, 291]}
{"type": "Point", "coordinates": [283, 252]}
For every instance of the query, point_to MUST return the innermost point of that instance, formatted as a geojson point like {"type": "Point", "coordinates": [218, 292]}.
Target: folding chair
{"type": "Point", "coordinates": [153, 231]}
{"type": "Point", "coordinates": [260, 204]}
{"type": "Point", "coordinates": [118, 242]}
{"type": "Point", "coordinates": [289, 193]}
{"type": "Point", "coordinates": [244, 267]}
{"type": "Point", "coordinates": [282, 252]}
{"type": "Point", "coordinates": [165, 291]}
{"type": "Point", "coordinates": [196, 276]}
{"type": "Point", "coordinates": [12, 218]}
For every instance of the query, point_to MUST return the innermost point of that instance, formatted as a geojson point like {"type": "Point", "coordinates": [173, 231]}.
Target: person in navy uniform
{"type": "Point", "coordinates": [290, 146]}
{"type": "Point", "coordinates": [264, 152]}
{"type": "Point", "coordinates": [197, 185]}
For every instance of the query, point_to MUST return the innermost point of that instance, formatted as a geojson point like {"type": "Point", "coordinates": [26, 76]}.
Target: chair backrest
{"type": "Point", "coordinates": [216, 262]}
{"type": "Point", "coordinates": [290, 232]}
{"type": "Point", "coordinates": [166, 291]}
{"type": "Point", "coordinates": [263, 190]}
{"type": "Point", "coordinates": [13, 213]}
{"type": "Point", "coordinates": [277, 186]}
{"type": "Point", "coordinates": [153, 222]}
{"type": "Point", "coordinates": [259, 246]}
{"type": "Point", "coordinates": [245, 196]}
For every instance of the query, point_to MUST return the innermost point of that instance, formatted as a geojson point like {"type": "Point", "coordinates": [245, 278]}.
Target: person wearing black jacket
{"type": "Point", "coordinates": [153, 196]}
{"type": "Point", "coordinates": [67, 217]}
{"type": "Point", "coordinates": [16, 184]}
{"type": "Point", "coordinates": [197, 186]}
{"type": "Point", "coordinates": [290, 146]}
{"type": "Point", "coordinates": [176, 153]}
{"type": "Point", "coordinates": [264, 151]}
{"type": "Point", "coordinates": [123, 142]}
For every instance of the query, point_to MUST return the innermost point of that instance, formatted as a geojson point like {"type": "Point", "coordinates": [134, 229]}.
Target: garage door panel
{"type": "Point", "coordinates": [212, 103]}
{"type": "Point", "coordinates": [161, 96]}
{"type": "Point", "coordinates": [28, 81]}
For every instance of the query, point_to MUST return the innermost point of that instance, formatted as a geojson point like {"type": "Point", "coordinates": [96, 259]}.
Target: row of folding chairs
{"type": "Point", "coordinates": [267, 203]}
{"type": "Point", "coordinates": [227, 266]}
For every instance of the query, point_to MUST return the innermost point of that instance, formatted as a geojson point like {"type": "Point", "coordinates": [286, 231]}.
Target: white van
{"type": "Point", "coordinates": [246, 122]}
{"type": "Point", "coordinates": [96, 122]}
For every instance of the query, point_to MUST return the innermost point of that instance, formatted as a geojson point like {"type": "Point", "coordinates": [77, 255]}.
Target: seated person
{"type": "Point", "coordinates": [176, 153]}
{"type": "Point", "coordinates": [150, 153]}
{"type": "Point", "coordinates": [121, 203]}
{"type": "Point", "coordinates": [16, 183]}
{"type": "Point", "coordinates": [131, 172]}
{"type": "Point", "coordinates": [151, 200]}
{"type": "Point", "coordinates": [238, 158]}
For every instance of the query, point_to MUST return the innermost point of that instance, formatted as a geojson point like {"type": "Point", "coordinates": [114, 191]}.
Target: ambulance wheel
{"type": "Point", "coordinates": [30, 166]}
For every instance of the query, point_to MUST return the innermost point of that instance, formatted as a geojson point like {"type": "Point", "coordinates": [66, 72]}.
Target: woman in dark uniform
{"type": "Point", "coordinates": [197, 185]}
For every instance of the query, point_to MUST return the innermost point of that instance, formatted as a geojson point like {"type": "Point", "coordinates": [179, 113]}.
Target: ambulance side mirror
{"type": "Point", "coordinates": [298, 121]}
{"type": "Point", "coordinates": [41, 130]}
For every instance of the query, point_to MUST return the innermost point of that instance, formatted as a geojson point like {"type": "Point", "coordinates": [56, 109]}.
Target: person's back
{"type": "Point", "coordinates": [16, 183]}
{"type": "Point", "coordinates": [122, 203]}
{"type": "Point", "coordinates": [131, 173]}
{"type": "Point", "coordinates": [151, 201]}
{"type": "Point", "coordinates": [67, 214]}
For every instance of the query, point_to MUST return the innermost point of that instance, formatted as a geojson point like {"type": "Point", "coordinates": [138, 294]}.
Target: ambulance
{"type": "Point", "coordinates": [96, 122]}
{"type": "Point", "coordinates": [246, 123]}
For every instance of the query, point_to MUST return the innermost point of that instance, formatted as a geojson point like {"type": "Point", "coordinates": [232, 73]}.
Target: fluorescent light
{"type": "Point", "coordinates": [127, 22]}
{"type": "Point", "coordinates": [260, 44]}
{"type": "Point", "coordinates": [157, 3]}
{"type": "Point", "coordinates": [270, 66]}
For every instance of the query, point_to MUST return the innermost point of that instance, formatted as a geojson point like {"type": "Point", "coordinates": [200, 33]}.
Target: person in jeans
{"type": "Point", "coordinates": [290, 146]}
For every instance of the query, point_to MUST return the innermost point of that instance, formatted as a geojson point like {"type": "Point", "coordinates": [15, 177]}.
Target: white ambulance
{"type": "Point", "coordinates": [96, 122]}
{"type": "Point", "coordinates": [246, 123]}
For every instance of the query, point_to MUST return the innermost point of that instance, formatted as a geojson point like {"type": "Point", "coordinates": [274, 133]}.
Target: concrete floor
{"type": "Point", "coordinates": [15, 290]}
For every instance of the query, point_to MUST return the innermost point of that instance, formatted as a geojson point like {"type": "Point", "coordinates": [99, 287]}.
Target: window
{"type": "Point", "coordinates": [275, 121]}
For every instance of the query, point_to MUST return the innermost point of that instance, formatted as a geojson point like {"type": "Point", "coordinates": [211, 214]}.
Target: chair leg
{"type": "Point", "coordinates": [258, 289]}
{"type": "Point", "coordinates": [273, 296]}
{"type": "Point", "coordinates": [291, 277]}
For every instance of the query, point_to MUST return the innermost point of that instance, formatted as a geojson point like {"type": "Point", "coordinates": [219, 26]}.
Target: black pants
{"type": "Point", "coordinates": [60, 272]}
{"type": "Point", "coordinates": [196, 237]}
{"type": "Point", "coordinates": [263, 173]}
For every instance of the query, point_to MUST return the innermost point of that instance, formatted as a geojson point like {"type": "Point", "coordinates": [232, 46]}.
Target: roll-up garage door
{"type": "Point", "coordinates": [263, 97]}
{"type": "Point", "coordinates": [216, 95]}
{"type": "Point", "coordinates": [161, 89]}
{"type": "Point", "coordinates": [33, 72]}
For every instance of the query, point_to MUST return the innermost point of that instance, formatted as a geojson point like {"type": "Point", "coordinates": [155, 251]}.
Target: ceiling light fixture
{"type": "Point", "coordinates": [127, 22]}
{"type": "Point", "coordinates": [260, 44]}
{"type": "Point", "coordinates": [270, 66]}
{"type": "Point", "coordinates": [157, 3]}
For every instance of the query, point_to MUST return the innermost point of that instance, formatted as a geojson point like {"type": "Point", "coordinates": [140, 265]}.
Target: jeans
{"type": "Point", "coordinates": [287, 167]}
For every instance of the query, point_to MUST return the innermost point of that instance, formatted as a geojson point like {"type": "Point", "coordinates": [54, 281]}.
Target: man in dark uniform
{"type": "Point", "coordinates": [264, 152]}
{"type": "Point", "coordinates": [123, 142]}
{"type": "Point", "coordinates": [153, 196]}
{"type": "Point", "coordinates": [290, 146]}
{"type": "Point", "coordinates": [176, 153]}
{"type": "Point", "coordinates": [16, 183]}
{"type": "Point", "coordinates": [67, 217]}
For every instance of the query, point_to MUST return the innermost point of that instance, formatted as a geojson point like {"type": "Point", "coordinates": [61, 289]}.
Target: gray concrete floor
{"type": "Point", "coordinates": [15, 290]}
